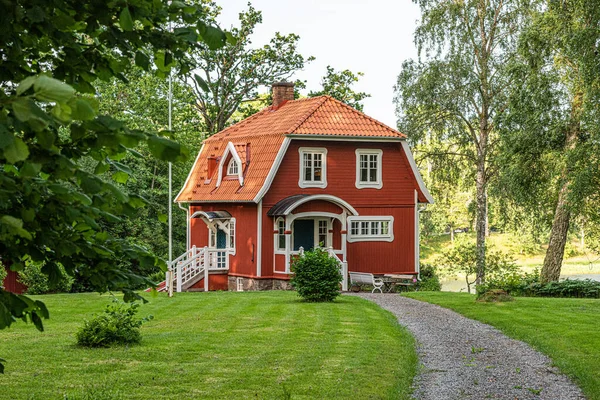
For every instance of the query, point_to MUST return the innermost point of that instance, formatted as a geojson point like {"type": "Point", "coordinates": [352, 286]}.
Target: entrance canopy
{"type": "Point", "coordinates": [287, 205]}
{"type": "Point", "coordinates": [211, 215]}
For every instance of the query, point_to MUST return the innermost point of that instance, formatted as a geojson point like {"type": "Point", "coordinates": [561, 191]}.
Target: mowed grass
{"type": "Point", "coordinates": [564, 329]}
{"type": "Point", "coordinates": [260, 345]}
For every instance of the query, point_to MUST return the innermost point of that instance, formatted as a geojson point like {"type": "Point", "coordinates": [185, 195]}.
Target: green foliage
{"type": "Point", "coordinates": [339, 86]}
{"type": "Point", "coordinates": [118, 325]}
{"type": "Point", "coordinates": [462, 258]}
{"type": "Point", "coordinates": [430, 281]}
{"type": "Point", "coordinates": [38, 282]}
{"type": "Point", "coordinates": [3, 273]}
{"type": "Point", "coordinates": [226, 77]}
{"type": "Point", "coordinates": [53, 210]}
{"type": "Point", "coordinates": [494, 296]}
{"type": "Point", "coordinates": [316, 276]}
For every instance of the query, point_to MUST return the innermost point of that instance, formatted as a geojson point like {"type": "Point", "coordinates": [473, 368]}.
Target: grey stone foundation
{"type": "Point", "coordinates": [252, 284]}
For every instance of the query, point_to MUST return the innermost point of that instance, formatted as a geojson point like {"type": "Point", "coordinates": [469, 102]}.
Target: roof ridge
{"type": "Point", "coordinates": [308, 114]}
{"type": "Point", "coordinates": [360, 113]}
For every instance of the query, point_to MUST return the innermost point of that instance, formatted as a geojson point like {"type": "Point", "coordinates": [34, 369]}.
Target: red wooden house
{"type": "Point", "coordinates": [299, 174]}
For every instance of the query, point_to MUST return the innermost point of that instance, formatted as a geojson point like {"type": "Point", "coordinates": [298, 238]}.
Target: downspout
{"type": "Point", "coordinates": [187, 227]}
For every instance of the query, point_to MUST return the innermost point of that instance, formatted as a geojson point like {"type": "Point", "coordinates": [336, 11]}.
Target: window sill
{"type": "Point", "coordinates": [371, 185]}
{"type": "Point", "coordinates": [319, 185]}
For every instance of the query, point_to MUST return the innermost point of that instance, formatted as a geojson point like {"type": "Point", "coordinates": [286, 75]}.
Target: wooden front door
{"type": "Point", "coordinates": [304, 234]}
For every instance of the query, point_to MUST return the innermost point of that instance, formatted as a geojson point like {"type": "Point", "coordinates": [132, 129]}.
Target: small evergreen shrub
{"type": "Point", "coordinates": [117, 325]}
{"type": "Point", "coordinates": [38, 283]}
{"type": "Point", "coordinates": [316, 276]}
{"type": "Point", "coordinates": [430, 281]}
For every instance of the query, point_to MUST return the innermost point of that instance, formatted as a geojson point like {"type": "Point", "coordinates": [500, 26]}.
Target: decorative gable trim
{"type": "Point", "coordinates": [415, 170]}
{"type": "Point", "coordinates": [230, 149]}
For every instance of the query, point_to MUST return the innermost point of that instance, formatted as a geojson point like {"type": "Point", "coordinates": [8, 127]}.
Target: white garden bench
{"type": "Point", "coordinates": [363, 278]}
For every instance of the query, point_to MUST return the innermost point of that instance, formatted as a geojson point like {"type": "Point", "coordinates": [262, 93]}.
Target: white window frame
{"type": "Point", "coordinates": [370, 221]}
{"type": "Point", "coordinates": [378, 184]}
{"type": "Point", "coordinates": [279, 250]}
{"type": "Point", "coordinates": [233, 164]}
{"type": "Point", "coordinates": [313, 184]}
{"type": "Point", "coordinates": [212, 236]}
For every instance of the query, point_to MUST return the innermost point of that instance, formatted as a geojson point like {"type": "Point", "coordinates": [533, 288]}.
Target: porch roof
{"type": "Point", "coordinates": [211, 215]}
{"type": "Point", "coordinates": [283, 204]}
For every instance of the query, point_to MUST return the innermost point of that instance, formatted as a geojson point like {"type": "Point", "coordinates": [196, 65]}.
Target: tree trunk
{"type": "Point", "coordinates": [451, 233]}
{"type": "Point", "coordinates": [487, 216]}
{"type": "Point", "coordinates": [480, 221]}
{"type": "Point", "coordinates": [558, 238]}
{"type": "Point", "coordinates": [562, 216]}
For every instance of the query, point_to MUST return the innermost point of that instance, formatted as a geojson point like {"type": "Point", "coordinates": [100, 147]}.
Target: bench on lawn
{"type": "Point", "coordinates": [363, 278]}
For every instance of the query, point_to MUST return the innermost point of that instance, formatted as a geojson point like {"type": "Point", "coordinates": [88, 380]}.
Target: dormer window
{"type": "Point", "coordinates": [232, 168]}
{"type": "Point", "coordinates": [313, 167]}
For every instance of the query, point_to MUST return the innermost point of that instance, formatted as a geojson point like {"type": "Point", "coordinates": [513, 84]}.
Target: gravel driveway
{"type": "Point", "coordinates": [465, 359]}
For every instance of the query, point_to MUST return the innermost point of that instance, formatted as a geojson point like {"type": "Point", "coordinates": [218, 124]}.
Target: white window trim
{"type": "Point", "coordinates": [371, 238]}
{"type": "Point", "coordinates": [309, 184]}
{"type": "Point", "coordinates": [276, 235]}
{"type": "Point", "coordinates": [373, 185]}
{"type": "Point", "coordinates": [212, 236]}
{"type": "Point", "coordinates": [233, 163]}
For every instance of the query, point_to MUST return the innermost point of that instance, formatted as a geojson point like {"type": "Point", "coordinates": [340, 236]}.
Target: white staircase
{"type": "Point", "coordinates": [192, 266]}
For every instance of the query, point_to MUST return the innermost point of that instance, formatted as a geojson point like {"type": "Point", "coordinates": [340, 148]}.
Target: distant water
{"type": "Point", "coordinates": [459, 285]}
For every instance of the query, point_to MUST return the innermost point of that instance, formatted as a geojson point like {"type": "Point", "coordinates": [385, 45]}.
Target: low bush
{"type": "Point", "coordinates": [117, 325]}
{"type": "Point", "coordinates": [430, 281]}
{"type": "Point", "coordinates": [316, 276]}
{"type": "Point", "coordinates": [3, 274]}
{"type": "Point", "coordinates": [38, 283]}
{"type": "Point", "coordinates": [494, 296]}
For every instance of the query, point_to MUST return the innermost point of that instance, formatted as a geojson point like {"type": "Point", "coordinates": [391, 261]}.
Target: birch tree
{"type": "Point", "coordinates": [457, 89]}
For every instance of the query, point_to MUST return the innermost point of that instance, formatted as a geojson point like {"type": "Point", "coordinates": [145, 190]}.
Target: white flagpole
{"type": "Point", "coordinates": [170, 98]}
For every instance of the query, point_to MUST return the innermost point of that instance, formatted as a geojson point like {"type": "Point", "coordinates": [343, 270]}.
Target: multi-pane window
{"type": "Point", "coordinates": [323, 230]}
{"type": "Point", "coordinates": [232, 234]}
{"type": "Point", "coordinates": [370, 228]}
{"type": "Point", "coordinates": [233, 168]}
{"type": "Point", "coordinates": [313, 167]}
{"type": "Point", "coordinates": [368, 168]}
{"type": "Point", "coordinates": [281, 234]}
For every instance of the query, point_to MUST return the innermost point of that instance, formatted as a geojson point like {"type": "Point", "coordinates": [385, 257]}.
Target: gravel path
{"type": "Point", "coordinates": [465, 359]}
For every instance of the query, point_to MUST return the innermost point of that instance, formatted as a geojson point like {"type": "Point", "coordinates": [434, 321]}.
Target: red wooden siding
{"type": "Point", "coordinates": [386, 257]}
{"type": "Point", "coordinates": [215, 282]}
{"type": "Point", "coordinates": [398, 180]}
{"type": "Point", "coordinates": [244, 261]}
{"type": "Point", "coordinates": [318, 205]}
{"type": "Point", "coordinates": [11, 282]}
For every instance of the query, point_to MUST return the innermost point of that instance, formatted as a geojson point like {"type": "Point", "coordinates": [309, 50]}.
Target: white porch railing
{"type": "Point", "coordinates": [343, 264]}
{"type": "Point", "coordinates": [192, 266]}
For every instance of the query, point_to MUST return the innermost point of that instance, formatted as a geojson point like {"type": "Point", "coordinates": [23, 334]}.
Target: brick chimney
{"type": "Point", "coordinates": [282, 92]}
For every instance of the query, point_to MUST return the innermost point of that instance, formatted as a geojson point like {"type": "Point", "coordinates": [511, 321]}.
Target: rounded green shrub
{"type": "Point", "coordinates": [38, 283]}
{"type": "Point", "coordinates": [430, 281]}
{"type": "Point", "coordinates": [117, 325]}
{"type": "Point", "coordinates": [316, 276]}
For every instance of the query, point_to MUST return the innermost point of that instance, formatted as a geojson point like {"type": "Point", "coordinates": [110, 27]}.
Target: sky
{"type": "Point", "coordinates": [369, 36]}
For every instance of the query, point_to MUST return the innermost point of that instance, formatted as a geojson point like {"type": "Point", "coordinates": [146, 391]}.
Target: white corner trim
{"type": "Point", "coordinates": [189, 175]}
{"type": "Point", "coordinates": [417, 234]}
{"type": "Point", "coordinates": [326, 197]}
{"type": "Point", "coordinates": [378, 184]}
{"type": "Point", "coordinates": [259, 240]}
{"type": "Point", "coordinates": [368, 238]}
{"type": "Point", "coordinates": [312, 184]}
{"type": "Point", "coordinates": [230, 149]}
{"type": "Point", "coordinates": [415, 169]}
{"type": "Point", "coordinates": [273, 171]}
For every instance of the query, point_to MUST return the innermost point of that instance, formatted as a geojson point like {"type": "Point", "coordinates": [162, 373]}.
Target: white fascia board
{"type": "Point", "coordinates": [415, 169]}
{"type": "Point", "coordinates": [346, 138]}
{"type": "Point", "coordinates": [189, 175]}
{"type": "Point", "coordinates": [273, 171]}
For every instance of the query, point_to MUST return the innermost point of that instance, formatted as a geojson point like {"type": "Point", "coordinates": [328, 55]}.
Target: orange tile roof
{"type": "Point", "coordinates": [264, 132]}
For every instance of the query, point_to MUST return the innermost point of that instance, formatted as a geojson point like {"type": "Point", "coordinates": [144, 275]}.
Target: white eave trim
{"type": "Point", "coordinates": [230, 149]}
{"type": "Point", "coordinates": [273, 171]}
{"type": "Point", "coordinates": [415, 169]}
{"type": "Point", "coordinates": [189, 177]}
{"type": "Point", "coordinates": [346, 138]}
{"type": "Point", "coordinates": [326, 197]}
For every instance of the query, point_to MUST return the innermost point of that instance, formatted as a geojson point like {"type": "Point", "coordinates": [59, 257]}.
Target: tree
{"type": "Point", "coordinates": [459, 91]}
{"type": "Point", "coordinates": [52, 209]}
{"type": "Point", "coordinates": [339, 86]}
{"type": "Point", "coordinates": [225, 78]}
{"type": "Point", "coordinates": [552, 129]}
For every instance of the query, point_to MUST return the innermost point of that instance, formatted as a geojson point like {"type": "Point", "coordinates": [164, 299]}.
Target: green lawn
{"type": "Point", "coordinates": [564, 329]}
{"type": "Point", "coordinates": [261, 345]}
